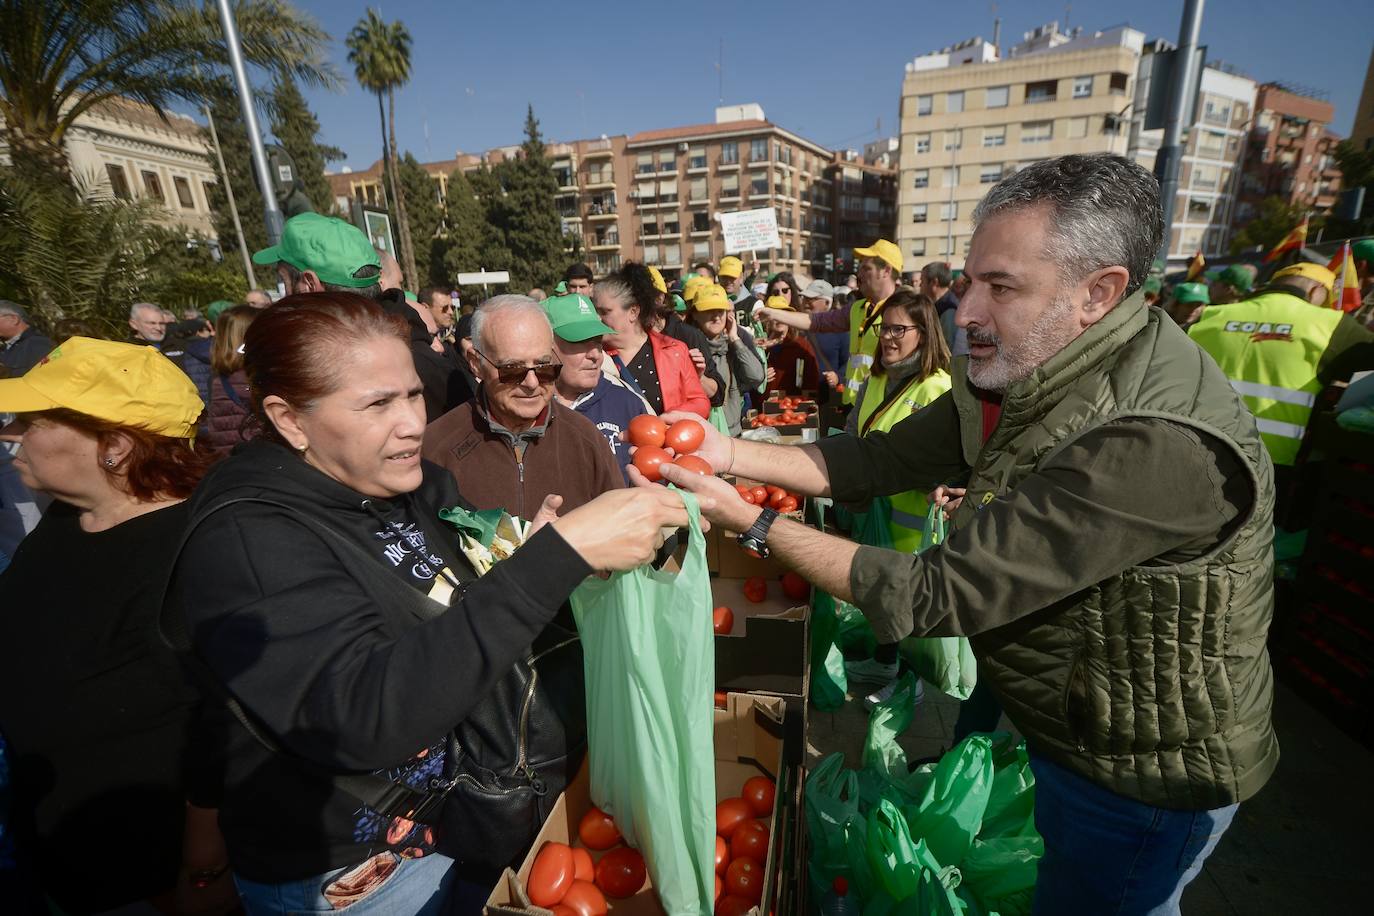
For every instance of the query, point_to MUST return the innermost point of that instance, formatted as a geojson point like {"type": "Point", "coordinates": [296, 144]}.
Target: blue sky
{"type": "Point", "coordinates": [828, 71]}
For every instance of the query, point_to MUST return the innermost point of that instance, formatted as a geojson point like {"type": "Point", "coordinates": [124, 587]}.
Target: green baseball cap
{"type": "Point", "coordinates": [333, 249]}
{"type": "Point", "coordinates": [573, 318]}
{"type": "Point", "coordinates": [561, 289]}
{"type": "Point", "coordinates": [1363, 250]}
{"type": "Point", "coordinates": [216, 308]}
{"type": "Point", "coordinates": [1192, 292]}
{"type": "Point", "coordinates": [679, 304]}
{"type": "Point", "coordinates": [1239, 277]}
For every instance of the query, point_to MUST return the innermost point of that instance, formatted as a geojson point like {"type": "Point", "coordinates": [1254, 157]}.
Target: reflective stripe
{"type": "Point", "coordinates": [1275, 393]}
{"type": "Point", "coordinates": [860, 359]}
{"type": "Point", "coordinates": [907, 520]}
{"type": "Point", "coordinates": [1275, 428]}
{"type": "Point", "coordinates": [854, 385]}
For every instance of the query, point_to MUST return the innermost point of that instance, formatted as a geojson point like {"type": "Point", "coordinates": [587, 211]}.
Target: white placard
{"type": "Point", "coordinates": [484, 277]}
{"type": "Point", "coordinates": [750, 230]}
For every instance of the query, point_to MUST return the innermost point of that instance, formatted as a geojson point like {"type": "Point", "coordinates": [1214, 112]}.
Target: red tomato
{"type": "Point", "coordinates": [744, 492]}
{"type": "Point", "coordinates": [776, 498]}
{"type": "Point", "coordinates": [620, 873]}
{"type": "Point", "coordinates": [720, 886]}
{"type": "Point", "coordinates": [733, 906]}
{"type": "Point", "coordinates": [722, 620]}
{"type": "Point", "coordinates": [597, 830]}
{"type": "Point", "coordinates": [561, 910]}
{"type": "Point", "coordinates": [730, 814]}
{"type": "Point", "coordinates": [647, 429]}
{"type": "Point", "coordinates": [722, 859]}
{"type": "Point", "coordinates": [648, 458]}
{"type": "Point", "coordinates": [685, 436]}
{"type": "Point", "coordinates": [583, 867]}
{"type": "Point", "coordinates": [787, 504]}
{"type": "Point", "coordinates": [750, 841]}
{"type": "Point", "coordinates": [760, 496]}
{"type": "Point", "coordinates": [755, 589]}
{"type": "Point", "coordinates": [694, 463]}
{"type": "Point", "coordinates": [585, 899]}
{"type": "Point", "coordinates": [759, 791]}
{"type": "Point", "coordinates": [773, 490]}
{"type": "Point", "coordinates": [719, 698]}
{"type": "Point", "coordinates": [551, 875]}
{"type": "Point", "coordinates": [795, 587]}
{"type": "Point", "coordinates": [744, 878]}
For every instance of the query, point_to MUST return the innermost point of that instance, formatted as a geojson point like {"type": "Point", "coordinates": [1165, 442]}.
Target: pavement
{"type": "Point", "coordinates": [1302, 845]}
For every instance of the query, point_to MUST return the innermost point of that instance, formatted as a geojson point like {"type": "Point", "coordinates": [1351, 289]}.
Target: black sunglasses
{"type": "Point", "coordinates": [511, 375]}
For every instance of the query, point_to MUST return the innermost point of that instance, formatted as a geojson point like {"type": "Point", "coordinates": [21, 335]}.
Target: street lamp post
{"type": "Point", "coordinates": [1170, 155]}
{"type": "Point", "coordinates": [271, 213]}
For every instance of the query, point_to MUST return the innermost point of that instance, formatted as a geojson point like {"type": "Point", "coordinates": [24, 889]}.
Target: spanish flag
{"type": "Point", "coordinates": [1293, 241]}
{"type": "Point", "coordinates": [1195, 267]}
{"type": "Point", "coordinates": [1345, 292]}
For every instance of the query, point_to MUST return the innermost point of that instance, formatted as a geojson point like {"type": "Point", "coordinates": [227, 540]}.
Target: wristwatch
{"type": "Point", "coordinates": [752, 541]}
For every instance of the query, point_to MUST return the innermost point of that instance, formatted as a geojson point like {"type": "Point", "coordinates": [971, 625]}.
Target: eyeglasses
{"type": "Point", "coordinates": [511, 375]}
{"type": "Point", "coordinates": [895, 331]}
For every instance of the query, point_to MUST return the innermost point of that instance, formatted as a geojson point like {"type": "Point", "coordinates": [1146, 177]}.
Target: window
{"type": "Point", "coordinates": [667, 192]}
{"type": "Point", "coordinates": [1200, 209]}
{"type": "Point", "coordinates": [701, 251]}
{"type": "Point", "coordinates": [729, 153]}
{"type": "Point", "coordinates": [1043, 91]}
{"type": "Point", "coordinates": [1037, 131]}
{"type": "Point", "coordinates": [918, 213]}
{"type": "Point", "coordinates": [649, 227]}
{"type": "Point", "coordinates": [758, 150]}
{"type": "Point", "coordinates": [697, 189]}
{"type": "Point", "coordinates": [1118, 81]}
{"type": "Point", "coordinates": [152, 186]}
{"type": "Point", "coordinates": [701, 221]}
{"type": "Point", "coordinates": [1082, 87]}
{"type": "Point", "coordinates": [990, 173]}
{"type": "Point", "coordinates": [924, 105]}
{"type": "Point", "coordinates": [949, 212]}
{"type": "Point", "coordinates": [1217, 111]}
{"type": "Point", "coordinates": [1211, 143]}
{"type": "Point", "coordinates": [949, 177]}
{"type": "Point", "coordinates": [645, 193]}
{"type": "Point", "coordinates": [667, 160]}
{"type": "Point", "coordinates": [671, 226]}
{"type": "Point", "coordinates": [918, 247]}
{"type": "Point", "coordinates": [920, 178]}
{"type": "Point", "coordinates": [953, 139]}
{"type": "Point", "coordinates": [923, 143]}
{"type": "Point", "coordinates": [954, 102]}
{"type": "Point", "coordinates": [209, 190]}
{"type": "Point", "coordinates": [651, 254]}
{"type": "Point", "coordinates": [696, 157]}
{"type": "Point", "coordinates": [644, 164]}
{"type": "Point", "coordinates": [184, 196]}
{"type": "Point", "coordinates": [119, 183]}
{"type": "Point", "coordinates": [995, 136]}
{"type": "Point", "coordinates": [1078, 128]}
{"type": "Point", "coordinates": [758, 184]}
{"type": "Point", "coordinates": [1206, 177]}
{"type": "Point", "coordinates": [997, 96]}
{"type": "Point", "coordinates": [729, 186]}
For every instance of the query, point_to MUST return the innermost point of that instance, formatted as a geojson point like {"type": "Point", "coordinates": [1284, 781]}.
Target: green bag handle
{"type": "Point", "coordinates": [717, 419]}
{"type": "Point", "coordinates": [935, 527]}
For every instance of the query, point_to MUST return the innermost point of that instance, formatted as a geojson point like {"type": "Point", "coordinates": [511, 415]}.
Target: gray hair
{"type": "Point", "coordinates": [13, 308]}
{"type": "Point", "coordinates": [506, 302]}
{"type": "Point", "coordinates": [1104, 212]}
{"type": "Point", "coordinates": [133, 309]}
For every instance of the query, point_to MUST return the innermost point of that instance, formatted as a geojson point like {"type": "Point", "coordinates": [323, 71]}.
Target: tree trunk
{"type": "Point", "coordinates": [31, 151]}
{"type": "Point", "coordinates": [407, 249]}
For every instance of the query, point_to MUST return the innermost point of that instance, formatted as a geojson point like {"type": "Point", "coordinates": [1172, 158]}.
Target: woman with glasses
{"type": "Point", "coordinates": [910, 370]}
{"type": "Point", "coordinates": [785, 285]}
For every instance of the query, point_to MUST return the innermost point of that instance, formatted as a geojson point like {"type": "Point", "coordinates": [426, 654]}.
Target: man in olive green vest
{"type": "Point", "coordinates": [1111, 561]}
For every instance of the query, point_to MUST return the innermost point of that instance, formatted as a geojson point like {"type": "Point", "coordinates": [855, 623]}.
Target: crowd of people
{"type": "Point", "coordinates": [255, 652]}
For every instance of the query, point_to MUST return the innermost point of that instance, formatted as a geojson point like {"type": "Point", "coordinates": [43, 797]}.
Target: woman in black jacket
{"type": "Point", "coordinates": [326, 597]}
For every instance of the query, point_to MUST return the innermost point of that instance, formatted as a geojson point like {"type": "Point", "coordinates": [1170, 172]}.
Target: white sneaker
{"type": "Point", "coordinates": [883, 694]}
{"type": "Point", "coordinates": [870, 671]}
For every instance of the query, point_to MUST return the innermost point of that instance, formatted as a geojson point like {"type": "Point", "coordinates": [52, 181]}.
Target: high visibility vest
{"type": "Point", "coordinates": [863, 344]}
{"type": "Point", "coordinates": [1269, 347]}
{"type": "Point", "coordinates": [908, 519]}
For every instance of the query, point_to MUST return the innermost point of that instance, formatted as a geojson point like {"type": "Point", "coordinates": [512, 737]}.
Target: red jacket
{"type": "Point", "coordinates": [677, 376]}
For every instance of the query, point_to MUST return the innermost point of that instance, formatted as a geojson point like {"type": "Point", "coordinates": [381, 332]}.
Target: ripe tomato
{"type": "Point", "coordinates": [561, 910]}
{"type": "Point", "coordinates": [733, 906]}
{"type": "Point", "coordinates": [685, 436]}
{"type": "Point", "coordinates": [647, 429]}
{"type": "Point", "coordinates": [722, 858]}
{"type": "Point", "coordinates": [551, 875]}
{"type": "Point", "coordinates": [755, 589]}
{"type": "Point", "coordinates": [787, 504]}
{"type": "Point", "coordinates": [720, 886]}
{"type": "Point", "coordinates": [760, 496]}
{"type": "Point", "coordinates": [719, 698]}
{"type": "Point", "coordinates": [597, 830]}
{"type": "Point", "coordinates": [722, 620]}
{"type": "Point", "coordinates": [620, 873]}
{"type": "Point", "coordinates": [795, 587]}
{"type": "Point", "coordinates": [648, 458]}
{"type": "Point", "coordinates": [585, 899]}
{"type": "Point", "coordinates": [730, 814]}
{"type": "Point", "coordinates": [745, 493]}
{"type": "Point", "coordinates": [694, 463]}
{"type": "Point", "coordinates": [583, 867]}
{"type": "Point", "coordinates": [773, 490]}
{"type": "Point", "coordinates": [744, 878]}
{"type": "Point", "coordinates": [750, 841]}
{"type": "Point", "coordinates": [759, 792]}
{"type": "Point", "coordinates": [775, 499]}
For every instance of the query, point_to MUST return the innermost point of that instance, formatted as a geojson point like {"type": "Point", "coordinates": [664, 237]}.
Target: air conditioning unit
{"type": "Point", "coordinates": [682, 147]}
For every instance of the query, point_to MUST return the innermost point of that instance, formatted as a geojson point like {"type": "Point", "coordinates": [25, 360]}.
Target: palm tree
{"type": "Point", "coordinates": [380, 54]}
{"type": "Point", "coordinates": [58, 58]}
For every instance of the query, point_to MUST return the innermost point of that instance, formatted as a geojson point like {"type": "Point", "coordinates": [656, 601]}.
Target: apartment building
{"type": "Point", "coordinates": [1290, 153]}
{"type": "Point", "coordinates": [969, 116]}
{"type": "Point", "coordinates": [864, 206]}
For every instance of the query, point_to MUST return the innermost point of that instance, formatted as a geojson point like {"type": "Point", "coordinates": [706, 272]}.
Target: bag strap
{"type": "Point", "coordinates": [230, 393]}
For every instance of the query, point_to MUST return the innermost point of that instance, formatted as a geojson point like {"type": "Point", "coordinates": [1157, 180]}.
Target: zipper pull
{"type": "Point", "coordinates": [537, 783]}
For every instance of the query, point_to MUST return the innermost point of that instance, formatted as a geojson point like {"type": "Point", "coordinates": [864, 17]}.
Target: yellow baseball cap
{"type": "Point", "coordinates": [711, 298]}
{"type": "Point", "coordinates": [884, 251]}
{"type": "Point", "coordinates": [1309, 271]}
{"type": "Point", "coordinates": [780, 303]}
{"type": "Point", "coordinates": [116, 382]}
{"type": "Point", "coordinates": [658, 280]}
{"type": "Point", "coordinates": [730, 267]}
{"type": "Point", "coordinates": [693, 284]}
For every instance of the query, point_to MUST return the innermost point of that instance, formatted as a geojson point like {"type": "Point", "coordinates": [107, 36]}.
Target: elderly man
{"type": "Point", "coordinates": [21, 346]}
{"type": "Point", "coordinates": [257, 298]}
{"type": "Point", "coordinates": [514, 444]}
{"type": "Point", "coordinates": [146, 321]}
{"type": "Point", "coordinates": [1112, 560]}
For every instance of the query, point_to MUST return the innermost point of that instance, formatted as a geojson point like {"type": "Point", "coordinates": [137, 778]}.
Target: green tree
{"type": "Point", "coordinates": [60, 57]}
{"type": "Point", "coordinates": [297, 130]}
{"type": "Point", "coordinates": [473, 241]}
{"type": "Point", "coordinates": [380, 54]}
{"type": "Point", "coordinates": [526, 213]}
{"type": "Point", "coordinates": [1277, 217]}
{"type": "Point", "coordinates": [1357, 165]}
{"type": "Point", "coordinates": [425, 217]}
{"type": "Point", "coordinates": [238, 161]}
{"type": "Point", "coordinates": [183, 272]}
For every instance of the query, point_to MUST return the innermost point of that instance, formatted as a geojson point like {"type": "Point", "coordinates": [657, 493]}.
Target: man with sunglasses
{"type": "Point", "coordinates": [514, 444]}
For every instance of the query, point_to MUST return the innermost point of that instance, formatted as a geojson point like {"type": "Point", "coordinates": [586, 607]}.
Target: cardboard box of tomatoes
{"type": "Point", "coordinates": [778, 404]}
{"type": "Point", "coordinates": [763, 646]}
{"type": "Point", "coordinates": [763, 877]}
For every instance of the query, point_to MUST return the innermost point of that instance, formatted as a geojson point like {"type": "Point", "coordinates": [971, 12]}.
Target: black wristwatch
{"type": "Point", "coordinates": [753, 541]}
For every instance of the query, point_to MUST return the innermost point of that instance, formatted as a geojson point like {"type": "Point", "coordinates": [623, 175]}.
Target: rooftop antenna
{"type": "Point", "coordinates": [720, 74]}
{"type": "Point", "coordinates": [425, 115]}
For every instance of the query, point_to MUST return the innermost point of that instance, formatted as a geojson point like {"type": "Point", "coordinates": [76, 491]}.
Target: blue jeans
{"type": "Point", "coordinates": [394, 886]}
{"type": "Point", "coordinates": [1106, 855]}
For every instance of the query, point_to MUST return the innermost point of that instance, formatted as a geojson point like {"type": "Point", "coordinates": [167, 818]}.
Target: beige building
{"type": "Point", "coordinates": [970, 116]}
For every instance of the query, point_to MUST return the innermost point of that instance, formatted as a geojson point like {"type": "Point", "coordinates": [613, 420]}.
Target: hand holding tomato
{"type": "Point", "coordinates": [712, 447]}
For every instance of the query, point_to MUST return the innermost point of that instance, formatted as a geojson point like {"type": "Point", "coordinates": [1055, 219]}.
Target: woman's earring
{"type": "Point", "coordinates": [109, 462]}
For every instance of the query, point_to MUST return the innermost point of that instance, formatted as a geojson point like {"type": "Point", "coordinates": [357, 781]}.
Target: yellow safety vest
{"type": "Point", "coordinates": [1269, 347]}
{"type": "Point", "coordinates": [908, 520]}
{"type": "Point", "coordinates": [863, 344]}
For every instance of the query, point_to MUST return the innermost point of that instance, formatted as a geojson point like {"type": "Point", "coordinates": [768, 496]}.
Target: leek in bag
{"type": "Point", "coordinates": [650, 669]}
{"type": "Point", "coordinates": [944, 662]}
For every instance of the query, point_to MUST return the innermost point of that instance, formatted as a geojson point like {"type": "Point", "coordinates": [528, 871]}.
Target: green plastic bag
{"type": "Point", "coordinates": [884, 773]}
{"type": "Point", "coordinates": [650, 672]}
{"type": "Point", "coordinates": [944, 662]}
{"type": "Point", "coordinates": [905, 868]}
{"type": "Point", "coordinates": [828, 680]}
{"type": "Point", "coordinates": [836, 829]}
{"type": "Point", "coordinates": [717, 419]}
{"type": "Point", "coordinates": [950, 814]}
{"type": "Point", "coordinates": [1000, 872]}
{"type": "Point", "coordinates": [873, 528]}
{"type": "Point", "coordinates": [855, 633]}
{"type": "Point", "coordinates": [1010, 810]}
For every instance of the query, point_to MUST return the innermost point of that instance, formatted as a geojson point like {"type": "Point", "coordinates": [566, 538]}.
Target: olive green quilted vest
{"type": "Point", "coordinates": [1154, 683]}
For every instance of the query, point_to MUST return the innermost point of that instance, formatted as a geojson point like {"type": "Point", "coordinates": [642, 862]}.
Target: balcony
{"type": "Point", "coordinates": [599, 149]}
{"type": "Point", "coordinates": [599, 181]}
{"type": "Point", "coordinates": [605, 243]}
{"type": "Point", "coordinates": [601, 211]}
{"type": "Point", "coordinates": [722, 165]}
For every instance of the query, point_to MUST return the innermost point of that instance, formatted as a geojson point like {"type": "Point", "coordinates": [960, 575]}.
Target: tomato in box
{"type": "Point", "coordinates": [598, 830]}
{"type": "Point", "coordinates": [744, 878]}
{"type": "Point", "coordinates": [723, 620]}
{"type": "Point", "coordinates": [730, 814]}
{"type": "Point", "coordinates": [750, 841]}
{"type": "Point", "coordinates": [620, 873]}
{"type": "Point", "coordinates": [583, 867]}
{"type": "Point", "coordinates": [795, 587]}
{"type": "Point", "coordinates": [759, 792]}
{"type": "Point", "coordinates": [552, 874]}
{"type": "Point", "coordinates": [755, 589]}
{"type": "Point", "coordinates": [585, 899]}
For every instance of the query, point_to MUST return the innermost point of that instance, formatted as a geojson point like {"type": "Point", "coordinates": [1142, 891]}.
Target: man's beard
{"type": "Point", "coordinates": [1050, 333]}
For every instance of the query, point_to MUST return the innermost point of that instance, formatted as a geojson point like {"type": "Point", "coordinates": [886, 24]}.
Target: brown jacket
{"type": "Point", "coordinates": [494, 468]}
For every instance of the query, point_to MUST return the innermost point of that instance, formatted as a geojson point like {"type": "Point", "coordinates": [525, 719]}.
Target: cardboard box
{"type": "Point", "coordinates": [766, 651]}
{"type": "Point", "coordinates": [749, 741]}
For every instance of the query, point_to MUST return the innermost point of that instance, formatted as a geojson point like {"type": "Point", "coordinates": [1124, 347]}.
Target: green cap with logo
{"type": "Point", "coordinates": [1240, 276]}
{"type": "Point", "coordinates": [573, 318]}
{"type": "Point", "coordinates": [333, 249]}
{"type": "Point", "coordinates": [1192, 292]}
